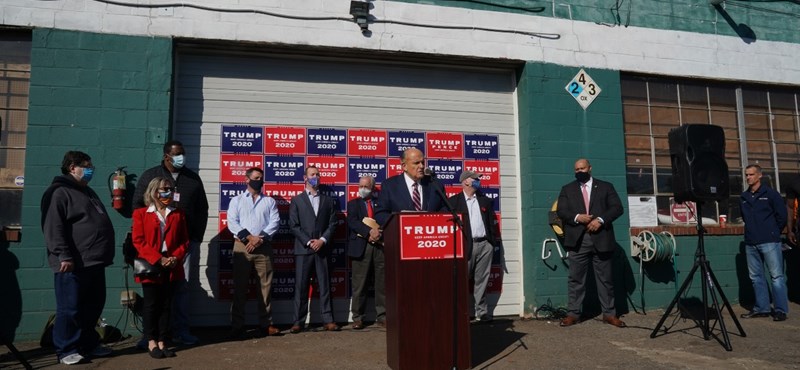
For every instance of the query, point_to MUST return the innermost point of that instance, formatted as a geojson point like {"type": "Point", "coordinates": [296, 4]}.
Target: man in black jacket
{"type": "Point", "coordinates": [190, 196]}
{"type": "Point", "coordinates": [479, 239]}
{"type": "Point", "coordinates": [366, 254]}
{"type": "Point", "coordinates": [80, 244]}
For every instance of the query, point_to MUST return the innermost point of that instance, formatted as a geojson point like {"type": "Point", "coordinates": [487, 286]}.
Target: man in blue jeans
{"type": "Point", "coordinates": [80, 244]}
{"type": "Point", "coordinates": [764, 214]}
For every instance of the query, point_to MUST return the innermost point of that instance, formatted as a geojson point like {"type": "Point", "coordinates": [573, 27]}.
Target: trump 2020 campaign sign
{"type": "Point", "coordinates": [343, 156]}
{"type": "Point", "coordinates": [429, 236]}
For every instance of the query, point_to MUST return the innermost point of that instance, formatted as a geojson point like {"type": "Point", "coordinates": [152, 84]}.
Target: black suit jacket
{"type": "Point", "coordinates": [356, 211]}
{"type": "Point", "coordinates": [459, 203]}
{"type": "Point", "coordinates": [395, 197]}
{"type": "Point", "coordinates": [604, 202]}
{"type": "Point", "coordinates": [306, 226]}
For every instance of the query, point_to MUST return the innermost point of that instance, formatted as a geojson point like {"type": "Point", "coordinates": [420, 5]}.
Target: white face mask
{"type": "Point", "coordinates": [364, 192]}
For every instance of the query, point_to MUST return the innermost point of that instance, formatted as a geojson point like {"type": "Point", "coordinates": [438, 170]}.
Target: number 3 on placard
{"type": "Point", "coordinates": [591, 89]}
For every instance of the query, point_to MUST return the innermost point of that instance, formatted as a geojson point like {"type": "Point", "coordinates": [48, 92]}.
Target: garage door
{"type": "Point", "coordinates": [217, 92]}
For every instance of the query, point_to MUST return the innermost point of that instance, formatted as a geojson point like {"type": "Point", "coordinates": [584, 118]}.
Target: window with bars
{"type": "Point", "coordinates": [761, 125]}
{"type": "Point", "coordinates": [15, 71]}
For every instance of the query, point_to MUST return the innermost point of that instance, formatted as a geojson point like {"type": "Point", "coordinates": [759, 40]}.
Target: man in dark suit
{"type": "Point", "coordinates": [588, 208]}
{"type": "Point", "coordinates": [312, 219]}
{"type": "Point", "coordinates": [479, 240]}
{"type": "Point", "coordinates": [366, 255]}
{"type": "Point", "coordinates": [410, 190]}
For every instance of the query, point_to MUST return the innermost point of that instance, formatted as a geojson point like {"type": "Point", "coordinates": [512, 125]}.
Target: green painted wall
{"type": "Point", "coordinates": [106, 95]}
{"type": "Point", "coordinates": [765, 20]}
{"type": "Point", "coordinates": [554, 132]}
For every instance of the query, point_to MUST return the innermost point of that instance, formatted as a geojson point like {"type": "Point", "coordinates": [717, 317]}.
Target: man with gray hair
{"type": "Point", "coordinates": [366, 254]}
{"type": "Point", "coordinates": [479, 240]}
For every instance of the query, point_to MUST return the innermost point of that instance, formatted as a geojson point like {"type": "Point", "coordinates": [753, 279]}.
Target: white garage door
{"type": "Point", "coordinates": [213, 90]}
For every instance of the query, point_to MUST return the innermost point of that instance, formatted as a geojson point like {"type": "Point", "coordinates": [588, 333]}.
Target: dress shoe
{"type": "Point", "coordinates": [357, 325]}
{"type": "Point", "coordinates": [331, 326]}
{"type": "Point", "coordinates": [753, 315]}
{"type": "Point", "coordinates": [156, 353]}
{"type": "Point", "coordinates": [235, 334]}
{"type": "Point", "coordinates": [568, 321]}
{"type": "Point", "coordinates": [272, 331]}
{"type": "Point", "coordinates": [167, 352]}
{"type": "Point", "coordinates": [295, 329]}
{"type": "Point", "coordinates": [613, 320]}
{"type": "Point", "coordinates": [779, 316]}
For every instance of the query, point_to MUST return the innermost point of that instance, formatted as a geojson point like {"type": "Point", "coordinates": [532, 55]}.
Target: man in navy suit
{"type": "Point", "coordinates": [588, 207]}
{"type": "Point", "coordinates": [312, 219]}
{"type": "Point", "coordinates": [410, 190]}
{"type": "Point", "coordinates": [366, 254]}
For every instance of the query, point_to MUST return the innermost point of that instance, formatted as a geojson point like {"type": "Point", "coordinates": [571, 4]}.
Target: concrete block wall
{"type": "Point", "coordinates": [108, 96]}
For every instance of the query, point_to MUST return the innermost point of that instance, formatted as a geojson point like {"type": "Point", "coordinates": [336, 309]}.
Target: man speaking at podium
{"type": "Point", "coordinates": [410, 190]}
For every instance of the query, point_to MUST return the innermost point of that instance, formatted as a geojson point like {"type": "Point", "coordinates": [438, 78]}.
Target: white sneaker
{"type": "Point", "coordinates": [101, 351]}
{"type": "Point", "coordinates": [71, 359]}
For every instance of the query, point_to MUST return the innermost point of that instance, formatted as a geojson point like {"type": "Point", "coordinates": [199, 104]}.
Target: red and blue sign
{"type": "Point", "coordinates": [360, 167]}
{"type": "Point", "coordinates": [284, 169]}
{"type": "Point", "coordinates": [445, 145]}
{"type": "Point", "coordinates": [242, 139]}
{"type": "Point", "coordinates": [447, 171]}
{"type": "Point", "coordinates": [284, 140]}
{"type": "Point", "coordinates": [327, 141]}
{"type": "Point", "coordinates": [399, 141]}
{"type": "Point", "coordinates": [366, 143]}
{"type": "Point", "coordinates": [481, 146]}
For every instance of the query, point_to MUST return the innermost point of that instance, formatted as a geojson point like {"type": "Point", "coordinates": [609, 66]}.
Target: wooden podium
{"type": "Point", "coordinates": [422, 332]}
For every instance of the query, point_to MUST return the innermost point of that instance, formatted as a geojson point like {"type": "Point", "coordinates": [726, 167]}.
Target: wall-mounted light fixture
{"type": "Point", "coordinates": [360, 12]}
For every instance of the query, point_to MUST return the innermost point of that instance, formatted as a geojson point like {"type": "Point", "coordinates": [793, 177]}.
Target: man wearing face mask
{"type": "Point", "coordinates": [80, 244]}
{"type": "Point", "coordinates": [190, 196]}
{"type": "Point", "coordinates": [312, 219]}
{"type": "Point", "coordinates": [588, 207]}
{"type": "Point", "coordinates": [479, 240]}
{"type": "Point", "coordinates": [366, 254]}
{"type": "Point", "coordinates": [253, 219]}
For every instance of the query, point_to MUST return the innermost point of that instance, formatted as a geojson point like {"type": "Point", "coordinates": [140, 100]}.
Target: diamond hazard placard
{"type": "Point", "coordinates": [583, 89]}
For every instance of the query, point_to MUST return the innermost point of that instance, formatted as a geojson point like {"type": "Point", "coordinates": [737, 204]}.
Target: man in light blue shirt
{"type": "Point", "coordinates": [253, 219]}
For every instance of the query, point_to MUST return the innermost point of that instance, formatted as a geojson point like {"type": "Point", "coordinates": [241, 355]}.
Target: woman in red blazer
{"type": "Point", "coordinates": [161, 237]}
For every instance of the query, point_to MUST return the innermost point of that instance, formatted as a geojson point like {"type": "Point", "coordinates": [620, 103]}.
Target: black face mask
{"type": "Point", "coordinates": [582, 177]}
{"type": "Point", "coordinates": [256, 184]}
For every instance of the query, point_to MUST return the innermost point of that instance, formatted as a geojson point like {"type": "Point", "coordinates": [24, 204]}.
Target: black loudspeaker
{"type": "Point", "coordinates": [699, 169]}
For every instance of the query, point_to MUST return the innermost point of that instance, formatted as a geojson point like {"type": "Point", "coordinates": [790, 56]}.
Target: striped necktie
{"type": "Point", "coordinates": [415, 197]}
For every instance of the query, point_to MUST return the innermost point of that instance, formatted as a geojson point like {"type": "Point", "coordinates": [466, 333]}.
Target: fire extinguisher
{"type": "Point", "coordinates": [117, 187]}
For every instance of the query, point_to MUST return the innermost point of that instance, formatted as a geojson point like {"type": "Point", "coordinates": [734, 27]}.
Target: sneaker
{"type": "Point", "coordinates": [186, 339]}
{"type": "Point", "coordinates": [753, 315]}
{"type": "Point", "coordinates": [779, 316]}
{"type": "Point", "coordinates": [71, 359]}
{"type": "Point", "coordinates": [101, 351]}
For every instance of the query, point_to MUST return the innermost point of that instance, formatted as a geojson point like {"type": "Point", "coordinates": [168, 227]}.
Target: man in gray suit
{"type": "Point", "coordinates": [312, 219]}
{"type": "Point", "coordinates": [589, 207]}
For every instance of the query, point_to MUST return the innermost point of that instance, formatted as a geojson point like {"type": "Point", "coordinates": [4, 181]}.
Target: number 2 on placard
{"type": "Point", "coordinates": [574, 88]}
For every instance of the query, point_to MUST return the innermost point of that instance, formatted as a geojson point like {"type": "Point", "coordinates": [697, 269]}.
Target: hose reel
{"type": "Point", "coordinates": [651, 246]}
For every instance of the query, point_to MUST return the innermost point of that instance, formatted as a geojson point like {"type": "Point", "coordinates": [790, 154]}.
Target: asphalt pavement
{"type": "Point", "coordinates": [505, 343]}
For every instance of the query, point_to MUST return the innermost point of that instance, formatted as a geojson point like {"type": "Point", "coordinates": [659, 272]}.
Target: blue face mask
{"type": "Point", "coordinates": [313, 181]}
{"type": "Point", "coordinates": [178, 161]}
{"type": "Point", "coordinates": [165, 194]}
{"type": "Point", "coordinates": [476, 184]}
{"type": "Point", "coordinates": [88, 172]}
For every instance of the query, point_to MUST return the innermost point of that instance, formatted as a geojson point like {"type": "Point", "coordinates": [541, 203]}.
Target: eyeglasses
{"type": "Point", "coordinates": [165, 189]}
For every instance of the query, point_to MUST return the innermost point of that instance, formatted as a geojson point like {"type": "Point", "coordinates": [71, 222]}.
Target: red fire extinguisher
{"type": "Point", "coordinates": [117, 187]}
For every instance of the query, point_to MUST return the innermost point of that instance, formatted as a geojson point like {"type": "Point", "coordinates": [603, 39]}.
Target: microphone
{"type": "Point", "coordinates": [429, 172]}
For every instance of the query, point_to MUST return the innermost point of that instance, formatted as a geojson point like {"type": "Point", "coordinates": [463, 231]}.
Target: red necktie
{"type": "Point", "coordinates": [369, 208]}
{"type": "Point", "coordinates": [585, 190]}
{"type": "Point", "coordinates": [415, 197]}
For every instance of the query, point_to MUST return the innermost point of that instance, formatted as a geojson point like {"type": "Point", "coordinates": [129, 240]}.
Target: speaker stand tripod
{"type": "Point", "coordinates": [709, 285]}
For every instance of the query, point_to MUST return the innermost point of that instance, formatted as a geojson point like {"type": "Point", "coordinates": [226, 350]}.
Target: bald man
{"type": "Point", "coordinates": [588, 207]}
{"type": "Point", "coordinates": [410, 190]}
